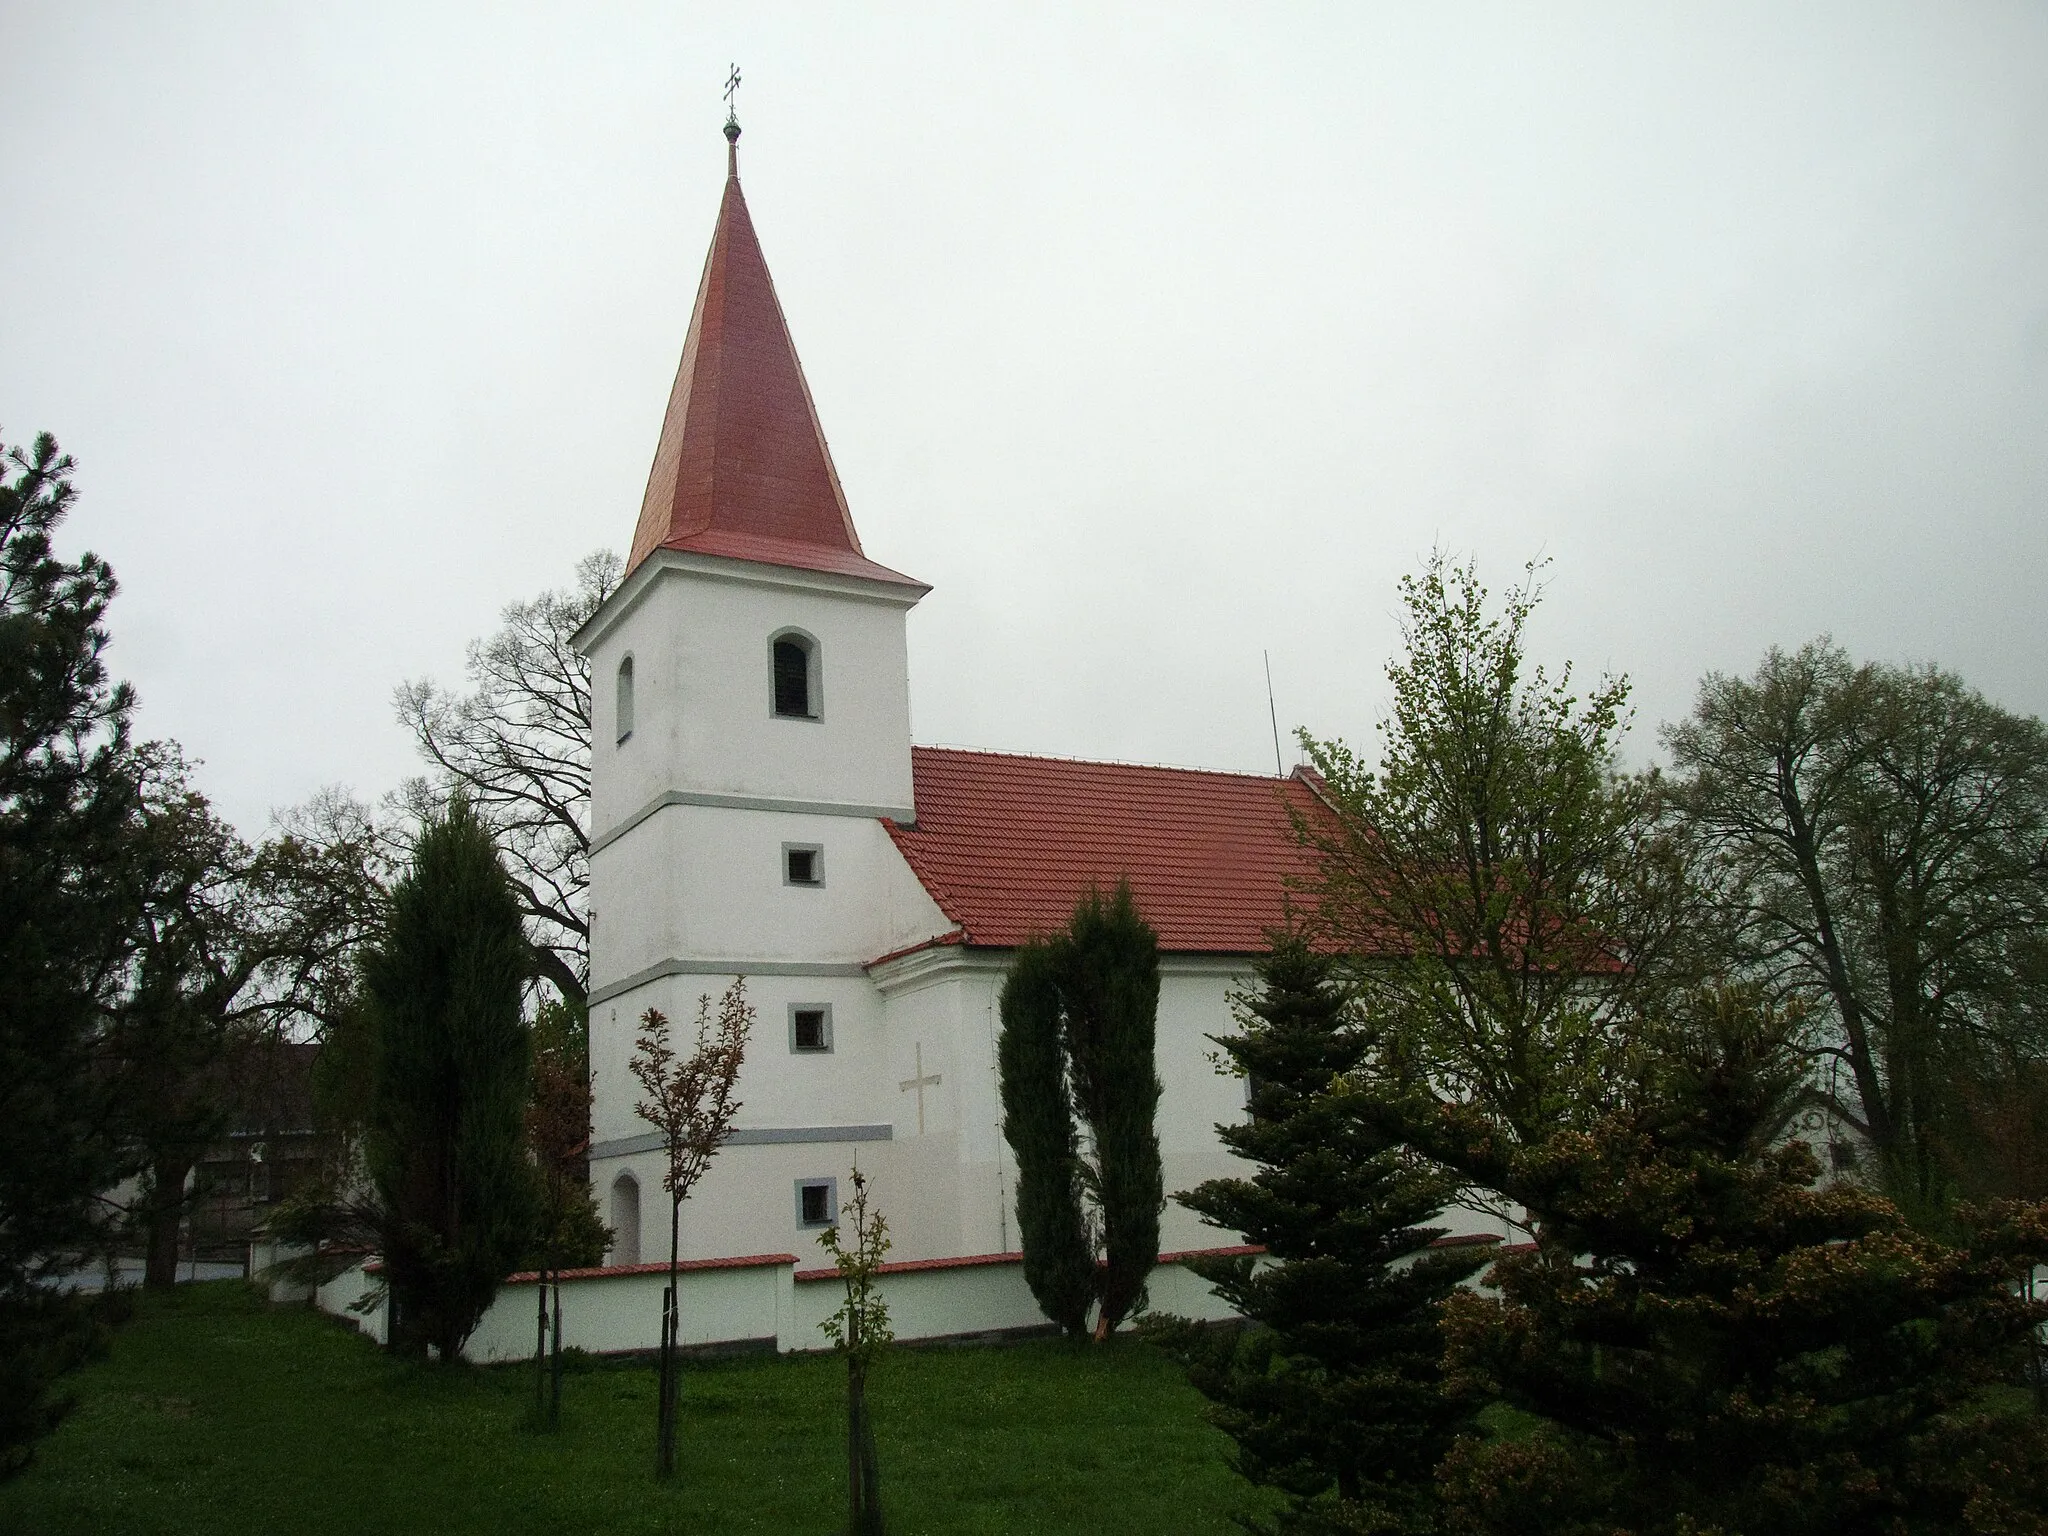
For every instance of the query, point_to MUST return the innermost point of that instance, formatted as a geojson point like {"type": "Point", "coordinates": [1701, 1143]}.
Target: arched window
{"type": "Point", "coordinates": [625, 1220]}
{"type": "Point", "coordinates": [793, 671]}
{"type": "Point", "coordinates": [624, 709]}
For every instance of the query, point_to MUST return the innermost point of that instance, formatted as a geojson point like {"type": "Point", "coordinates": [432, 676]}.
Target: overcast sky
{"type": "Point", "coordinates": [1152, 337]}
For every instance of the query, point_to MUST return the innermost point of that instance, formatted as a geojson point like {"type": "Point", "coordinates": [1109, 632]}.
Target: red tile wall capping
{"type": "Point", "coordinates": [741, 468]}
{"type": "Point", "coordinates": [610, 1271]}
{"type": "Point", "coordinates": [978, 1260]}
{"type": "Point", "coordinates": [1007, 844]}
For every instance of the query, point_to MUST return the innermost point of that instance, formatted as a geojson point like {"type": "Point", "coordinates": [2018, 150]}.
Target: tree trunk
{"type": "Point", "coordinates": [557, 972]}
{"type": "Point", "coordinates": [665, 1390]}
{"type": "Point", "coordinates": [555, 1373]}
{"type": "Point", "coordinates": [853, 1406]}
{"type": "Point", "coordinates": [671, 1308]}
{"type": "Point", "coordinates": [166, 1220]}
{"type": "Point", "coordinates": [540, 1350]}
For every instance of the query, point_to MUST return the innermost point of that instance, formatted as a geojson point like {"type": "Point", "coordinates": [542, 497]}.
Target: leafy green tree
{"type": "Point", "coordinates": [1878, 842]}
{"type": "Point", "coordinates": [446, 1144]}
{"type": "Point", "coordinates": [1038, 1122]}
{"type": "Point", "coordinates": [1335, 1393]}
{"type": "Point", "coordinates": [860, 1331]}
{"type": "Point", "coordinates": [1501, 886]}
{"type": "Point", "coordinates": [1715, 1341]}
{"type": "Point", "coordinates": [1080, 1019]}
{"type": "Point", "coordinates": [67, 795]}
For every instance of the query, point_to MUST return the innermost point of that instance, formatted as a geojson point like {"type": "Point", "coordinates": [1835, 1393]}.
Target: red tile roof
{"type": "Point", "coordinates": [742, 469]}
{"type": "Point", "coordinates": [1007, 844]}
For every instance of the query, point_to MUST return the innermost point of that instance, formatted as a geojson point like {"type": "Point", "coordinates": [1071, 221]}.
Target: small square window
{"type": "Point", "coordinates": [803, 864]}
{"type": "Point", "coordinates": [810, 1028]}
{"type": "Point", "coordinates": [817, 1202]}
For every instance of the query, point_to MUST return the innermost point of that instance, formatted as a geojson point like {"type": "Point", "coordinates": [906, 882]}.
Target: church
{"type": "Point", "coordinates": [759, 810]}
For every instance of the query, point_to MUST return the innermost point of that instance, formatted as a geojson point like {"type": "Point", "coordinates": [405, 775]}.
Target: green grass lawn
{"type": "Point", "coordinates": [217, 1414]}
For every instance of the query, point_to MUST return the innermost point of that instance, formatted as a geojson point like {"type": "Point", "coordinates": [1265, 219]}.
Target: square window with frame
{"type": "Point", "coordinates": [810, 1029]}
{"type": "Point", "coordinates": [817, 1202]}
{"type": "Point", "coordinates": [803, 864]}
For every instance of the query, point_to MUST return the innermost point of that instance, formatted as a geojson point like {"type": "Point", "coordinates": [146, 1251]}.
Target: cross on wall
{"type": "Point", "coordinates": [920, 1083]}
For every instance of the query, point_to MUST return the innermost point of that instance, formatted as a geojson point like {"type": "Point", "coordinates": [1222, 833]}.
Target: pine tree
{"type": "Point", "coordinates": [67, 793]}
{"type": "Point", "coordinates": [446, 1144]}
{"type": "Point", "coordinates": [1334, 1392]}
{"type": "Point", "coordinates": [1038, 1122]}
{"type": "Point", "coordinates": [1110, 988]}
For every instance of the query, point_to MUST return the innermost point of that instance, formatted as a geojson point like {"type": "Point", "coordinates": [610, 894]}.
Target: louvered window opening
{"type": "Point", "coordinates": [792, 679]}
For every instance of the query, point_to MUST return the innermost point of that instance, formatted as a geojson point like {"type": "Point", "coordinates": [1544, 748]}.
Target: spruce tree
{"type": "Point", "coordinates": [1333, 1393]}
{"type": "Point", "coordinates": [1716, 1340]}
{"type": "Point", "coordinates": [1038, 1122]}
{"type": "Point", "coordinates": [446, 1144]}
{"type": "Point", "coordinates": [1110, 988]}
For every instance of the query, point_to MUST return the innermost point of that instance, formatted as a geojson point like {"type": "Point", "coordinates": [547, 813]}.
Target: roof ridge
{"type": "Point", "coordinates": [1105, 762]}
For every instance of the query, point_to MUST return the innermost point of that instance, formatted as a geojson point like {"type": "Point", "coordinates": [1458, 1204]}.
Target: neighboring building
{"type": "Point", "coordinates": [758, 810]}
{"type": "Point", "coordinates": [270, 1149]}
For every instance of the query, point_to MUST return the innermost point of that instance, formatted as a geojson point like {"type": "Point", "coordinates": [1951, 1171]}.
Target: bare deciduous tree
{"type": "Point", "coordinates": [517, 744]}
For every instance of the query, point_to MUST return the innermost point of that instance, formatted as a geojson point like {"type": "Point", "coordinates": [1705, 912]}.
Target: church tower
{"type": "Point", "coordinates": [751, 725]}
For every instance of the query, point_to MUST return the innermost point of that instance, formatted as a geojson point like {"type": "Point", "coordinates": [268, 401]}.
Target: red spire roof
{"type": "Point", "coordinates": [1007, 844]}
{"type": "Point", "coordinates": [742, 469]}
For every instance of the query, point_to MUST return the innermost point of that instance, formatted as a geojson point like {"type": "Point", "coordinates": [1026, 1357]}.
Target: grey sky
{"type": "Point", "coordinates": [1151, 337]}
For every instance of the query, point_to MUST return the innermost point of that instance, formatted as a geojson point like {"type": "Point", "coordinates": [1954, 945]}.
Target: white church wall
{"type": "Point", "coordinates": [777, 1088]}
{"type": "Point", "coordinates": [747, 1200]}
{"type": "Point", "coordinates": [650, 627]}
{"type": "Point", "coordinates": [765, 1301]}
{"type": "Point", "coordinates": [1194, 1005]}
{"type": "Point", "coordinates": [707, 883]}
{"type": "Point", "coordinates": [858, 747]}
{"type": "Point", "coordinates": [953, 993]}
{"type": "Point", "coordinates": [635, 920]}
{"type": "Point", "coordinates": [339, 1296]}
{"type": "Point", "coordinates": [942, 1301]}
{"type": "Point", "coordinates": [944, 999]}
{"type": "Point", "coordinates": [619, 1311]}
{"type": "Point", "coordinates": [917, 1189]}
{"type": "Point", "coordinates": [699, 631]}
{"type": "Point", "coordinates": [736, 899]}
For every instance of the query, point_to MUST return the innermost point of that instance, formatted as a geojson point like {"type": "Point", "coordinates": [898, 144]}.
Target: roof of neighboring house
{"type": "Point", "coordinates": [741, 469]}
{"type": "Point", "coordinates": [1007, 844]}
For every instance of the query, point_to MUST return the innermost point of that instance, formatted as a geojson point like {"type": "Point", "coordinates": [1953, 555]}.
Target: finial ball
{"type": "Point", "coordinates": [732, 130]}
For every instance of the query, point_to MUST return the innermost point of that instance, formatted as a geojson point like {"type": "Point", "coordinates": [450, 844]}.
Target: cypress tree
{"type": "Point", "coordinates": [1333, 1393]}
{"type": "Point", "coordinates": [1038, 1122]}
{"type": "Point", "coordinates": [446, 1136]}
{"type": "Point", "coordinates": [1110, 987]}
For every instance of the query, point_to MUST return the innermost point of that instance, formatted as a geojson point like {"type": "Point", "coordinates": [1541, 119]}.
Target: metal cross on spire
{"type": "Point", "coordinates": [732, 122]}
